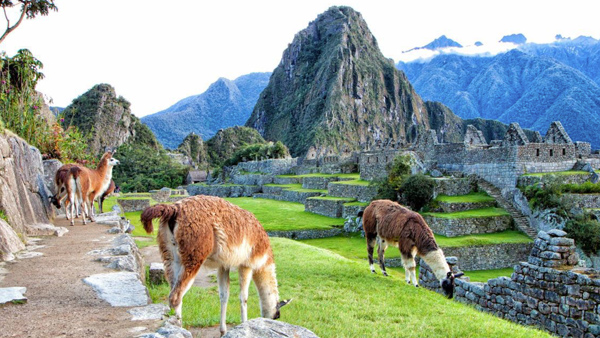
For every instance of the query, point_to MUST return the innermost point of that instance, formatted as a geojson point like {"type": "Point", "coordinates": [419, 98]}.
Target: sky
{"type": "Point", "coordinates": [155, 53]}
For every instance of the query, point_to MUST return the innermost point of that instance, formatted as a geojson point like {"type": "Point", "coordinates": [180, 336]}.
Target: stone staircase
{"type": "Point", "coordinates": [521, 221]}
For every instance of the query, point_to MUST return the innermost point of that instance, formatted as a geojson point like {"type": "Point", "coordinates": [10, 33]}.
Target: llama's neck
{"type": "Point", "coordinates": [437, 262]}
{"type": "Point", "coordinates": [266, 283]}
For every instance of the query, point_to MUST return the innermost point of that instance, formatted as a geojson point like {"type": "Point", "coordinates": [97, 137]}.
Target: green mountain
{"type": "Point", "coordinates": [334, 90]}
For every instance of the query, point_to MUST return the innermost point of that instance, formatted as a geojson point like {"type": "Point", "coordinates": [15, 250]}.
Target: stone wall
{"type": "Point", "coordinates": [272, 166]}
{"type": "Point", "coordinates": [24, 197]}
{"type": "Point", "coordinates": [252, 179]}
{"type": "Point", "coordinates": [453, 186]}
{"type": "Point", "coordinates": [305, 234]}
{"type": "Point", "coordinates": [483, 257]}
{"type": "Point", "coordinates": [351, 210]}
{"type": "Point", "coordinates": [548, 291]}
{"type": "Point", "coordinates": [326, 207]}
{"type": "Point", "coordinates": [373, 164]}
{"type": "Point", "coordinates": [588, 201]}
{"type": "Point", "coordinates": [456, 207]}
{"type": "Point", "coordinates": [363, 193]}
{"type": "Point", "coordinates": [317, 182]}
{"type": "Point", "coordinates": [132, 204]}
{"type": "Point", "coordinates": [526, 180]}
{"type": "Point", "coordinates": [223, 190]}
{"type": "Point", "coordinates": [467, 226]}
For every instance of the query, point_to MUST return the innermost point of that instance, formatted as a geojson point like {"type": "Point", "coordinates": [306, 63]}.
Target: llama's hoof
{"type": "Point", "coordinates": [373, 271]}
{"type": "Point", "coordinates": [385, 274]}
{"type": "Point", "coordinates": [417, 285]}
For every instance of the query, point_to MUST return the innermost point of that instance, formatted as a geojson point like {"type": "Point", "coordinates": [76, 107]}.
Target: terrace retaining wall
{"type": "Point", "coordinates": [305, 234]}
{"type": "Point", "coordinates": [467, 226]}
{"type": "Point", "coordinates": [363, 193]}
{"type": "Point", "coordinates": [223, 190]}
{"type": "Point", "coordinates": [548, 291]}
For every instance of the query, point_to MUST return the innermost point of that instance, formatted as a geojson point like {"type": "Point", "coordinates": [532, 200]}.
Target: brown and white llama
{"type": "Point", "coordinates": [66, 189]}
{"type": "Point", "coordinates": [93, 183]}
{"type": "Point", "coordinates": [389, 223]}
{"type": "Point", "coordinates": [82, 185]}
{"type": "Point", "coordinates": [206, 230]}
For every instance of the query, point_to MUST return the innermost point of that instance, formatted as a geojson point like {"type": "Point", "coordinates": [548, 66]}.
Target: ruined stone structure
{"type": "Point", "coordinates": [500, 162]}
{"type": "Point", "coordinates": [548, 291]}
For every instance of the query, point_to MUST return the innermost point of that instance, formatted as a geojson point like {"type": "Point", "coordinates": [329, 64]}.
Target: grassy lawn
{"type": "Point", "coordinates": [338, 297]}
{"type": "Point", "coordinates": [362, 204]}
{"type": "Point", "coordinates": [476, 197]}
{"type": "Point", "coordinates": [485, 275]}
{"type": "Point", "coordinates": [354, 176]}
{"type": "Point", "coordinates": [559, 173]}
{"type": "Point", "coordinates": [284, 216]}
{"type": "Point", "coordinates": [333, 198]}
{"type": "Point", "coordinates": [483, 212]}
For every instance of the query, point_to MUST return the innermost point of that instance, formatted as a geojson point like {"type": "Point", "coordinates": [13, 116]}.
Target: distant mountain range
{"type": "Point", "coordinates": [533, 85]}
{"type": "Point", "coordinates": [224, 104]}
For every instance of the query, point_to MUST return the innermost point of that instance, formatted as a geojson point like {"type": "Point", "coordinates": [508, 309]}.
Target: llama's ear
{"type": "Point", "coordinates": [459, 275]}
{"type": "Point", "coordinates": [283, 303]}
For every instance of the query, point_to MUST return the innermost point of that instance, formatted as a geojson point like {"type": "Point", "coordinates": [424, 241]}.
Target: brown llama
{"type": "Point", "coordinates": [206, 230]}
{"type": "Point", "coordinates": [93, 183]}
{"type": "Point", "coordinates": [387, 222]}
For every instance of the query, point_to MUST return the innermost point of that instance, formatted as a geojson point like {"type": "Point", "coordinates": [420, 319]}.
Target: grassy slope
{"type": "Point", "coordinates": [338, 297]}
{"type": "Point", "coordinates": [296, 187]}
{"type": "Point", "coordinates": [288, 215]}
{"type": "Point", "coordinates": [476, 197]}
{"type": "Point", "coordinates": [559, 173]}
{"type": "Point", "coordinates": [483, 212]}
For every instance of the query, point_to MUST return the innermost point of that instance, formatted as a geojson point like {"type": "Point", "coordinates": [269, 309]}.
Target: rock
{"type": "Point", "coordinates": [119, 288]}
{"type": "Point", "coordinates": [46, 230]}
{"type": "Point", "coordinates": [28, 254]}
{"type": "Point", "coordinates": [149, 312]}
{"type": "Point", "coordinates": [436, 173]}
{"type": "Point", "coordinates": [12, 294]}
{"type": "Point", "coordinates": [157, 273]}
{"type": "Point", "coordinates": [268, 328]}
{"type": "Point", "coordinates": [9, 241]}
{"type": "Point", "coordinates": [452, 260]}
{"type": "Point", "coordinates": [115, 230]}
{"type": "Point", "coordinates": [594, 178]}
{"type": "Point", "coordinates": [556, 233]}
{"type": "Point", "coordinates": [109, 218]}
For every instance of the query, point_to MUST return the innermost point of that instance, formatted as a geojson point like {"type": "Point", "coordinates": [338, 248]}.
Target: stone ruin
{"type": "Point", "coordinates": [548, 291]}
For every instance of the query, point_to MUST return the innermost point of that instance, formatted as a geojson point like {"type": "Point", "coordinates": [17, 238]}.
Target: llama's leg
{"type": "Point", "coordinates": [408, 261]}
{"type": "Point", "coordinates": [245, 278]}
{"type": "Point", "coordinates": [381, 247]}
{"type": "Point", "coordinates": [371, 239]}
{"type": "Point", "coordinates": [223, 279]}
{"type": "Point", "coordinates": [183, 281]}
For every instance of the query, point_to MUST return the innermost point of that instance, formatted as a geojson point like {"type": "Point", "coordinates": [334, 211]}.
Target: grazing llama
{"type": "Point", "coordinates": [387, 222]}
{"type": "Point", "coordinates": [206, 230]}
{"type": "Point", "coordinates": [66, 189]}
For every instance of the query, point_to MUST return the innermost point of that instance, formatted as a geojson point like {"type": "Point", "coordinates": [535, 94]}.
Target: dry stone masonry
{"type": "Point", "coordinates": [548, 291]}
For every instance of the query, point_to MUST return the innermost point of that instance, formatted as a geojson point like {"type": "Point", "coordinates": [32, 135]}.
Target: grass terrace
{"type": "Point", "coordinates": [483, 212]}
{"type": "Point", "coordinates": [333, 198]}
{"type": "Point", "coordinates": [353, 182]}
{"type": "Point", "coordinates": [285, 216]}
{"type": "Point", "coordinates": [476, 197]}
{"type": "Point", "coordinates": [296, 187]}
{"type": "Point", "coordinates": [338, 297]}
{"type": "Point", "coordinates": [362, 204]}
{"type": "Point", "coordinates": [352, 176]}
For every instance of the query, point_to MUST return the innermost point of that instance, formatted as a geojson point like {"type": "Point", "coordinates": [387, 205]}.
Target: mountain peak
{"type": "Point", "coordinates": [439, 43]}
{"type": "Point", "coordinates": [517, 39]}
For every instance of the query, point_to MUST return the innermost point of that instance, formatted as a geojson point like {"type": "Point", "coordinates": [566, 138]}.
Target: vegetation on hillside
{"type": "Point", "coordinates": [227, 141]}
{"type": "Point", "coordinates": [193, 147]}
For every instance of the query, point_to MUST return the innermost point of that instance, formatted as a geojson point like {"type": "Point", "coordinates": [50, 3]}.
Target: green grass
{"type": "Point", "coordinates": [508, 236]}
{"type": "Point", "coordinates": [284, 216]}
{"type": "Point", "coordinates": [135, 198]}
{"type": "Point", "coordinates": [338, 297]}
{"type": "Point", "coordinates": [559, 173]}
{"type": "Point", "coordinates": [134, 219]}
{"type": "Point", "coordinates": [353, 176]}
{"type": "Point", "coordinates": [483, 212]}
{"type": "Point", "coordinates": [296, 187]}
{"type": "Point", "coordinates": [476, 197]}
{"type": "Point", "coordinates": [351, 204]}
{"type": "Point", "coordinates": [485, 275]}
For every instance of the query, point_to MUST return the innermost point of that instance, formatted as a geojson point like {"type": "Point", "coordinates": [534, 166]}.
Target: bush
{"type": "Point", "coordinates": [585, 232]}
{"type": "Point", "coordinates": [544, 196]}
{"type": "Point", "coordinates": [385, 190]}
{"type": "Point", "coordinates": [417, 191]}
{"type": "Point", "coordinates": [584, 188]}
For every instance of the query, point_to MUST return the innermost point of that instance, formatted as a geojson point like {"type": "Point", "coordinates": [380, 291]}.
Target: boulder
{"type": "Point", "coordinates": [268, 328]}
{"type": "Point", "coordinates": [119, 288]}
{"type": "Point", "coordinates": [9, 242]}
{"type": "Point", "coordinates": [13, 294]}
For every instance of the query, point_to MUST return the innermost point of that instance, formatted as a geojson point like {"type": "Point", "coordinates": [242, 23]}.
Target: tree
{"type": "Point", "coordinates": [29, 9]}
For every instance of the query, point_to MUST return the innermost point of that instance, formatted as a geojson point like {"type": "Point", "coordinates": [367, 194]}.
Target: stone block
{"type": "Point", "coordinates": [157, 273]}
{"type": "Point", "coordinates": [561, 241]}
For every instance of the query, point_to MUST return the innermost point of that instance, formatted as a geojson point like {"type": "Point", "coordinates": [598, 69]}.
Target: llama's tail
{"type": "Point", "coordinates": [166, 212]}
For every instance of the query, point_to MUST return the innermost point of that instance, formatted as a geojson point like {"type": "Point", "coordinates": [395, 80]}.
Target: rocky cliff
{"type": "Point", "coordinates": [334, 90]}
{"type": "Point", "coordinates": [24, 206]}
{"type": "Point", "coordinates": [107, 117]}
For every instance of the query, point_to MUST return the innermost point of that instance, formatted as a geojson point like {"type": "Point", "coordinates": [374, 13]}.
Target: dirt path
{"type": "Point", "coordinates": [59, 303]}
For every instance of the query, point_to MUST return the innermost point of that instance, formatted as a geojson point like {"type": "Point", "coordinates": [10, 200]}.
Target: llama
{"type": "Point", "coordinates": [82, 185]}
{"type": "Point", "coordinates": [387, 222]}
{"type": "Point", "coordinates": [206, 230]}
{"type": "Point", "coordinates": [93, 183]}
{"type": "Point", "coordinates": [66, 189]}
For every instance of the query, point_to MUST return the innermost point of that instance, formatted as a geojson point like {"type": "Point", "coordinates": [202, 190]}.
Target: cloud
{"type": "Point", "coordinates": [425, 55]}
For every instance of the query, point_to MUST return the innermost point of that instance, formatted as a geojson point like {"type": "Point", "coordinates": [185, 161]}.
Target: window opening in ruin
{"type": "Point", "coordinates": [551, 152]}
{"type": "Point", "coordinates": [537, 152]}
{"type": "Point", "coordinates": [564, 151]}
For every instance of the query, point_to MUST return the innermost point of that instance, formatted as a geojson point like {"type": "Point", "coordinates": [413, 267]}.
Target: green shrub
{"type": "Point", "coordinates": [417, 191]}
{"type": "Point", "coordinates": [584, 188]}
{"type": "Point", "coordinates": [546, 195]}
{"type": "Point", "coordinates": [585, 232]}
{"type": "Point", "coordinates": [385, 190]}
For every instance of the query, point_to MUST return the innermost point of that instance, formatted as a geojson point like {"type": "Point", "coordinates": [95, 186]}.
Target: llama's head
{"type": "Point", "coordinates": [109, 159]}
{"type": "Point", "coordinates": [279, 306]}
{"type": "Point", "coordinates": [55, 201]}
{"type": "Point", "coordinates": [447, 283]}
